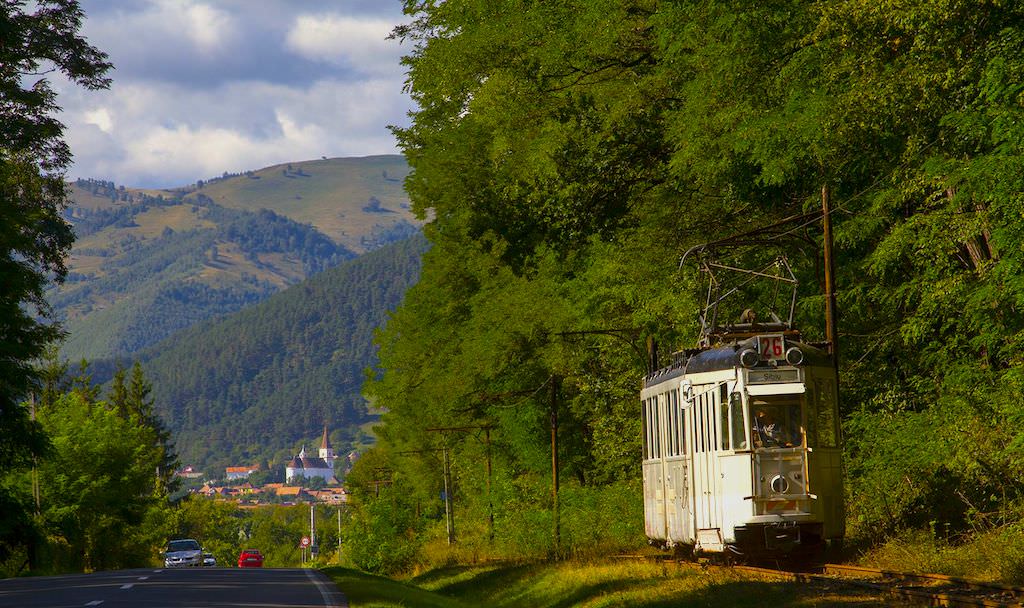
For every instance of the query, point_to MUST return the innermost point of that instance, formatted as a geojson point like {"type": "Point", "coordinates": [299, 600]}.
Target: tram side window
{"type": "Point", "coordinates": [673, 423]}
{"type": "Point", "coordinates": [681, 431]}
{"type": "Point", "coordinates": [827, 431]}
{"type": "Point", "coordinates": [655, 429]}
{"type": "Point", "coordinates": [699, 431]}
{"type": "Point", "coordinates": [723, 408]}
{"type": "Point", "coordinates": [646, 425]}
{"type": "Point", "coordinates": [739, 429]}
{"type": "Point", "coordinates": [811, 399]}
{"type": "Point", "coordinates": [713, 419]}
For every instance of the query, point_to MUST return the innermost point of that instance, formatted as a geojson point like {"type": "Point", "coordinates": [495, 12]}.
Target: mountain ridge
{"type": "Point", "coordinates": [151, 262]}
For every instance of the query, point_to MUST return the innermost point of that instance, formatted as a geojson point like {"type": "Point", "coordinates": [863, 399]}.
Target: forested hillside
{"type": "Point", "coordinates": [143, 289]}
{"type": "Point", "coordinates": [571, 153]}
{"type": "Point", "coordinates": [253, 385]}
{"type": "Point", "coordinates": [147, 263]}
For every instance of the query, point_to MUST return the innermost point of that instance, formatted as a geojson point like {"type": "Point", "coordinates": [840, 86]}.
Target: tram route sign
{"type": "Point", "coordinates": [771, 347]}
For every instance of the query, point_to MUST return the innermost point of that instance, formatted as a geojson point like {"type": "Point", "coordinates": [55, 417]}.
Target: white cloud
{"type": "Point", "coordinates": [101, 118]}
{"type": "Point", "coordinates": [207, 86]}
{"type": "Point", "coordinates": [166, 135]}
{"type": "Point", "coordinates": [360, 43]}
{"type": "Point", "coordinates": [207, 27]}
{"type": "Point", "coordinates": [161, 26]}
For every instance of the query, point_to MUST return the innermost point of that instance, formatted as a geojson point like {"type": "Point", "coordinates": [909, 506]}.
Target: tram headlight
{"type": "Point", "coordinates": [749, 358]}
{"type": "Point", "coordinates": [779, 484]}
{"type": "Point", "coordinates": [794, 356]}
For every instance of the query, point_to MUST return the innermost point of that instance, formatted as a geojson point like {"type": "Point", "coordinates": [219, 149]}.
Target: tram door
{"type": "Point", "coordinates": [677, 511]}
{"type": "Point", "coordinates": [653, 469]}
{"type": "Point", "coordinates": [707, 478]}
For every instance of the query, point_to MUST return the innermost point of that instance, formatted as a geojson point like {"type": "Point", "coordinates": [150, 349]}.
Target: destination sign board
{"type": "Point", "coordinates": [772, 376]}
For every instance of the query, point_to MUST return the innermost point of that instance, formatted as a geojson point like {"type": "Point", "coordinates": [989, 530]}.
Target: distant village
{"type": "Point", "coordinates": [308, 479]}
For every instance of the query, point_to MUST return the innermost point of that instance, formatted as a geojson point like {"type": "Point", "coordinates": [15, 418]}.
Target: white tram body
{"type": "Point", "coordinates": [741, 449]}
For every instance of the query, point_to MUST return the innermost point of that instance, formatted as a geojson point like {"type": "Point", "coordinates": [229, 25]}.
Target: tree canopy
{"type": "Point", "coordinates": [569, 153]}
{"type": "Point", "coordinates": [38, 38]}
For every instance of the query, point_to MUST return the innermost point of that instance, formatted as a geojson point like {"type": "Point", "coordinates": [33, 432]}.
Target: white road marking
{"type": "Point", "coordinates": [332, 597]}
{"type": "Point", "coordinates": [95, 603]}
{"type": "Point", "coordinates": [157, 571]}
{"type": "Point", "coordinates": [128, 586]}
{"type": "Point", "coordinates": [143, 578]}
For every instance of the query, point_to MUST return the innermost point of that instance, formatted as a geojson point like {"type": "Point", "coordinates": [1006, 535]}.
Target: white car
{"type": "Point", "coordinates": [183, 553]}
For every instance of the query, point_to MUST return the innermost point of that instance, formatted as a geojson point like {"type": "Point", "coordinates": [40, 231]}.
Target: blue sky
{"type": "Point", "coordinates": [201, 87]}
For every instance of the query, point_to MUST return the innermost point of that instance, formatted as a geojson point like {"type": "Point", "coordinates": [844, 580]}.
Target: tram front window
{"type": "Point", "coordinates": [776, 421]}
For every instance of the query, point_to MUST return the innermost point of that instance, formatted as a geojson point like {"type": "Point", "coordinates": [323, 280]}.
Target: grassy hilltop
{"type": "Point", "coordinates": [148, 263]}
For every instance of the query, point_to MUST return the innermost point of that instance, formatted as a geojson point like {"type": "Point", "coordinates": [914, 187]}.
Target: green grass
{"type": "Point", "coordinates": [329, 194]}
{"type": "Point", "coordinates": [369, 591]}
{"type": "Point", "coordinates": [993, 555]}
{"type": "Point", "coordinates": [596, 584]}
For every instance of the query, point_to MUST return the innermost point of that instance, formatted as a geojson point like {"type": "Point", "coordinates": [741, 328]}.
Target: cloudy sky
{"type": "Point", "coordinates": [201, 87]}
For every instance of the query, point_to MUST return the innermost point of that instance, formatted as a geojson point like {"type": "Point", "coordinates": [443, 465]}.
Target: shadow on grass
{"type": "Point", "coordinates": [437, 576]}
{"type": "Point", "coordinates": [519, 587]}
{"type": "Point", "coordinates": [476, 587]}
{"type": "Point", "coordinates": [756, 594]}
{"type": "Point", "coordinates": [609, 589]}
{"type": "Point", "coordinates": [367, 590]}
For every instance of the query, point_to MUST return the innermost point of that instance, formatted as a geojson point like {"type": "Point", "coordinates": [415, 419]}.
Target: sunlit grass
{"type": "Point", "coordinates": [642, 583]}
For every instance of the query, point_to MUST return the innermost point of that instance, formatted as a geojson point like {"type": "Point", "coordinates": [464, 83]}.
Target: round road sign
{"type": "Point", "coordinates": [305, 541]}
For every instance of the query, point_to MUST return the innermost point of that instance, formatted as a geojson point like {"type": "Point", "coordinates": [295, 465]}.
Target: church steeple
{"type": "Point", "coordinates": [326, 451]}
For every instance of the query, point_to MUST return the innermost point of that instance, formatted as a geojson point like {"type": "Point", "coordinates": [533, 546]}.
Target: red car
{"type": "Point", "coordinates": [250, 558]}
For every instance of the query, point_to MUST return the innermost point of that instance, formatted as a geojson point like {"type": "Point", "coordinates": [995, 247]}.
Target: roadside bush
{"type": "Point", "coordinates": [383, 535]}
{"type": "Point", "coordinates": [950, 464]}
{"type": "Point", "coordinates": [994, 555]}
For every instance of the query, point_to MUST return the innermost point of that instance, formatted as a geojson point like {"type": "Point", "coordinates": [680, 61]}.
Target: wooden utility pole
{"type": "Point", "coordinates": [831, 325]}
{"type": "Point", "coordinates": [554, 461]}
{"type": "Point", "coordinates": [487, 441]}
{"type": "Point", "coordinates": [449, 516]}
{"type": "Point", "coordinates": [490, 501]}
{"type": "Point", "coordinates": [313, 544]}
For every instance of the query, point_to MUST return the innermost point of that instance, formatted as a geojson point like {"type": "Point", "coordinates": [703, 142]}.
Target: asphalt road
{"type": "Point", "coordinates": [179, 588]}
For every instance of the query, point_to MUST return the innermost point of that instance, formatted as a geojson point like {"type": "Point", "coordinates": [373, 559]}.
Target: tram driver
{"type": "Point", "coordinates": [770, 433]}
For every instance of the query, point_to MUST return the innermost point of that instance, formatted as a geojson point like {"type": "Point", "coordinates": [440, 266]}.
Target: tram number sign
{"type": "Point", "coordinates": [304, 542]}
{"type": "Point", "coordinates": [771, 347]}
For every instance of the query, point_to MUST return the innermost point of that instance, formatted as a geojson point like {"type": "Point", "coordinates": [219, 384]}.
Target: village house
{"type": "Point", "coordinates": [188, 473]}
{"type": "Point", "coordinates": [232, 473]}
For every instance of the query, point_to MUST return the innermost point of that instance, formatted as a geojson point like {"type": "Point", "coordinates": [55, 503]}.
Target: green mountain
{"type": "Point", "coordinates": [253, 384]}
{"type": "Point", "coordinates": [148, 263]}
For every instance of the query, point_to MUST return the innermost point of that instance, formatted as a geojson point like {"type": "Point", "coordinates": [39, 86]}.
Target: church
{"type": "Point", "coordinates": [310, 467]}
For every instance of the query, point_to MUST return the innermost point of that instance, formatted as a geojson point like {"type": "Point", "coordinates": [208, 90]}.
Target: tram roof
{"type": "Point", "coordinates": [724, 357]}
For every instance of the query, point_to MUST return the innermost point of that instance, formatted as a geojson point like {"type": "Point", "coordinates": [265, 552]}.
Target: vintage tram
{"type": "Point", "coordinates": [741, 446]}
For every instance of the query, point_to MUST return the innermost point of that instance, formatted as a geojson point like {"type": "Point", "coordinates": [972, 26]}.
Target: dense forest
{"type": "Point", "coordinates": [253, 385]}
{"type": "Point", "coordinates": [570, 153]}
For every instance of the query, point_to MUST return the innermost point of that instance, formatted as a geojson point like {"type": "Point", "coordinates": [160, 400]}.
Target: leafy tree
{"type": "Point", "coordinates": [568, 154]}
{"type": "Point", "coordinates": [33, 238]}
{"type": "Point", "coordinates": [133, 402]}
{"type": "Point", "coordinates": [100, 509]}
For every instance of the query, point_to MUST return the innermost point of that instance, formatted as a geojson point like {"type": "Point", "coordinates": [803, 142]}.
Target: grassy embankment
{"type": "Point", "coordinates": [647, 584]}
{"type": "Point", "coordinates": [994, 555]}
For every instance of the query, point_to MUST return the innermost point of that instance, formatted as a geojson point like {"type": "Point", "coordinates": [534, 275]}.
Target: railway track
{"type": "Point", "coordinates": [913, 588]}
{"type": "Point", "coordinates": [927, 589]}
